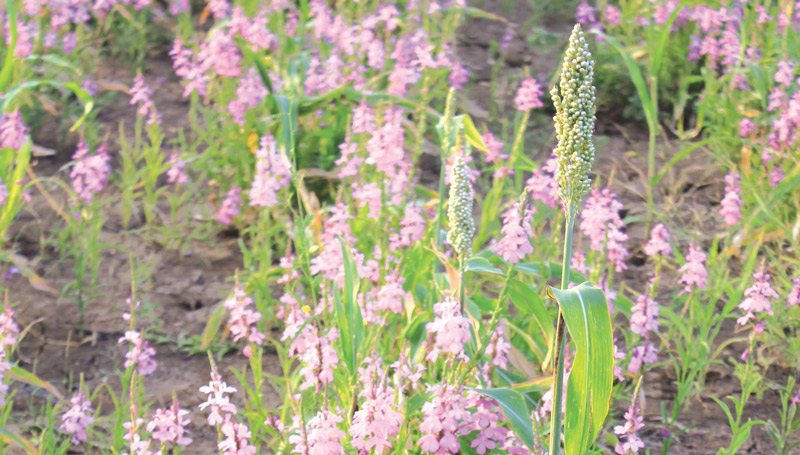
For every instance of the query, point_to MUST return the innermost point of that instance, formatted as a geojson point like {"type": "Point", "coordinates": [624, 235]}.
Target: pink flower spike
{"type": "Point", "coordinates": [168, 425]}
{"type": "Point", "coordinates": [659, 241]}
{"type": "Point", "coordinates": [242, 320]}
{"type": "Point", "coordinates": [13, 131]}
{"type": "Point", "coordinates": [731, 203]}
{"type": "Point", "coordinates": [451, 330]}
{"type": "Point", "coordinates": [794, 295]}
{"type": "Point", "coordinates": [78, 418]}
{"type": "Point", "coordinates": [529, 95]}
{"type": "Point", "coordinates": [694, 273]}
{"type": "Point", "coordinates": [230, 206]}
{"type": "Point", "coordinates": [759, 297]}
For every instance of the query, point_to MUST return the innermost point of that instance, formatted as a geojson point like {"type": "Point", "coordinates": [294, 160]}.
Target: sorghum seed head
{"type": "Point", "coordinates": [459, 210]}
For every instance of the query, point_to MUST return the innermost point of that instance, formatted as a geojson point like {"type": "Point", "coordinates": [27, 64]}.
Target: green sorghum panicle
{"type": "Point", "coordinates": [459, 210]}
{"type": "Point", "coordinates": [574, 120]}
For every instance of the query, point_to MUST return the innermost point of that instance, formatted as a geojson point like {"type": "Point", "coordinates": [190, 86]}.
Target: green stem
{"type": "Point", "coordinates": [561, 341]}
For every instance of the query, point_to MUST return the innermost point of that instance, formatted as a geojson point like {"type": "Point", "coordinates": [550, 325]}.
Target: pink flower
{"type": "Point", "coordinates": [731, 203]}
{"type": "Point", "coordinates": [243, 319]}
{"type": "Point", "coordinates": [8, 337]}
{"type": "Point", "coordinates": [584, 14]}
{"type": "Point", "coordinates": [249, 94]}
{"type": "Point", "coordinates": [746, 126]}
{"type": "Point", "coordinates": [319, 359]}
{"type": "Point", "coordinates": [759, 297]}
{"type": "Point", "coordinates": [140, 94]}
{"type": "Point", "coordinates": [451, 330]}
{"type": "Point", "coordinates": [517, 233]}
{"type": "Point", "coordinates": [646, 353]}
{"type": "Point", "coordinates": [177, 169]}
{"type": "Point", "coordinates": [612, 15]}
{"type": "Point", "coordinates": [794, 295]}
{"type": "Point", "coordinates": [444, 415]}
{"type": "Point", "coordinates": [221, 54]}
{"type": "Point", "coordinates": [168, 425]}
{"type": "Point", "coordinates": [217, 399]}
{"type": "Point", "coordinates": [13, 131]}
{"type": "Point", "coordinates": [140, 354]}
{"type": "Point", "coordinates": [693, 272]}
{"type": "Point", "coordinates": [377, 420]}
{"type": "Point", "coordinates": [784, 74]}
{"type": "Point", "coordinates": [230, 206]}
{"type": "Point", "coordinates": [236, 438]}
{"type": "Point", "coordinates": [78, 418]}
{"type": "Point", "coordinates": [603, 226]}
{"type": "Point", "coordinates": [273, 172]}
{"type": "Point", "coordinates": [776, 176]}
{"type": "Point", "coordinates": [644, 315]}
{"type": "Point", "coordinates": [528, 95]}
{"type": "Point", "coordinates": [90, 172]}
{"type": "Point", "coordinates": [494, 148]}
{"type": "Point", "coordinates": [634, 422]}
{"type": "Point", "coordinates": [323, 436]}
{"type": "Point", "coordinates": [392, 296]}
{"type": "Point", "coordinates": [659, 241]}
{"type": "Point", "coordinates": [3, 192]}
{"type": "Point", "coordinates": [498, 348]}
{"type": "Point", "coordinates": [412, 228]}
{"type": "Point", "coordinates": [542, 185]}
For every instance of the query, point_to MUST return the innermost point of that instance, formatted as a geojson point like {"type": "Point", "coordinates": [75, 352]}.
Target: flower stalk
{"type": "Point", "coordinates": [574, 100]}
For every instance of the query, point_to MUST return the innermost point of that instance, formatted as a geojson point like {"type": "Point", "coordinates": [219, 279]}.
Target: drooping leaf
{"type": "Point", "coordinates": [478, 264]}
{"type": "Point", "coordinates": [589, 386]}
{"type": "Point", "coordinates": [513, 405]}
{"type": "Point", "coordinates": [18, 374]}
{"type": "Point", "coordinates": [12, 438]}
{"type": "Point", "coordinates": [472, 134]}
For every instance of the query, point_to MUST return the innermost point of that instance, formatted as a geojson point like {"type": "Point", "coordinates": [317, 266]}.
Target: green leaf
{"type": "Point", "coordinates": [8, 59]}
{"type": "Point", "coordinates": [589, 386]}
{"type": "Point", "coordinates": [513, 405]}
{"type": "Point", "coordinates": [472, 134]}
{"type": "Point", "coordinates": [18, 374]}
{"type": "Point", "coordinates": [477, 264]}
{"type": "Point", "coordinates": [351, 324]}
{"type": "Point", "coordinates": [212, 326]}
{"type": "Point", "coordinates": [529, 302]}
{"type": "Point", "coordinates": [10, 437]}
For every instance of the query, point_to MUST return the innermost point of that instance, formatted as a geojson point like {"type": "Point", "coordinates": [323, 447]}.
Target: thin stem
{"type": "Point", "coordinates": [561, 341]}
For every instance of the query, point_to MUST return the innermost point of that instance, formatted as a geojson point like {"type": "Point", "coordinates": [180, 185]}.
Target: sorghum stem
{"type": "Point", "coordinates": [561, 342]}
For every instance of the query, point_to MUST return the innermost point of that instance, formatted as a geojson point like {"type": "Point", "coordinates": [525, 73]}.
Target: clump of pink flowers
{"type": "Point", "coordinates": [659, 241]}
{"type": "Point", "coordinates": [169, 425]}
{"type": "Point", "coordinates": [13, 131]}
{"type": "Point", "coordinates": [759, 297]}
{"type": "Point", "coordinates": [693, 272]}
{"type": "Point", "coordinates": [272, 173]}
{"type": "Point", "coordinates": [90, 172]}
{"type": "Point", "coordinates": [377, 420]}
{"type": "Point", "coordinates": [602, 224]}
{"type": "Point", "coordinates": [8, 337]}
{"type": "Point", "coordinates": [630, 442]}
{"type": "Point", "coordinates": [443, 415]}
{"type": "Point", "coordinates": [451, 330]}
{"type": "Point", "coordinates": [242, 320]}
{"type": "Point", "coordinates": [177, 170]}
{"type": "Point", "coordinates": [517, 233]}
{"type": "Point", "coordinates": [78, 418]}
{"type": "Point", "coordinates": [529, 95]}
{"type": "Point", "coordinates": [140, 355]}
{"type": "Point", "coordinates": [229, 208]}
{"type": "Point", "coordinates": [731, 203]}
{"type": "Point", "coordinates": [319, 358]}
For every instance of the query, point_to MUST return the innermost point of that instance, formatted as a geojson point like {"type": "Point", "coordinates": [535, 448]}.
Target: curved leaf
{"type": "Point", "coordinates": [515, 410]}
{"type": "Point", "coordinates": [12, 438]}
{"type": "Point", "coordinates": [18, 374]}
{"type": "Point", "coordinates": [351, 324]}
{"type": "Point", "coordinates": [589, 386]}
{"type": "Point", "coordinates": [478, 264]}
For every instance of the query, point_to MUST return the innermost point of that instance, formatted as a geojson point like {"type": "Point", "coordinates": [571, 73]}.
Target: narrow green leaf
{"type": "Point", "coordinates": [12, 438]}
{"type": "Point", "coordinates": [478, 264]}
{"type": "Point", "coordinates": [351, 324]}
{"type": "Point", "coordinates": [513, 405]}
{"type": "Point", "coordinates": [18, 374]}
{"type": "Point", "coordinates": [472, 134]}
{"type": "Point", "coordinates": [529, 302]}
{"type": "Point", "coordinates": [589, 386]}
{"type": "Point", "coordinates": [212, 326]}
